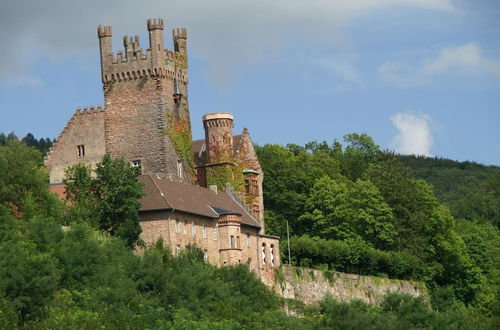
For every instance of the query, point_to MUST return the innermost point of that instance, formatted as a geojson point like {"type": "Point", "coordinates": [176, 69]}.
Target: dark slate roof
{"type": "Point", "coordinates": [222, 211]}
{"type": "Point", "coordinates": [164, 194]}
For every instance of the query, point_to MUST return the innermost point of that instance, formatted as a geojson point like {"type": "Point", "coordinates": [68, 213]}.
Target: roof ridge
{"type": "Point", "coordinates": [159, 190]}
{"type": "Point", "coordinates": [233, 197]}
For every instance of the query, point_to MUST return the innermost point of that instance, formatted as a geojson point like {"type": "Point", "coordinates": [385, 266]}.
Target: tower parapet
{"type": "Point", "coordinates": [155, 24]}
{"type": "Point", "coordinates": [134, 62]}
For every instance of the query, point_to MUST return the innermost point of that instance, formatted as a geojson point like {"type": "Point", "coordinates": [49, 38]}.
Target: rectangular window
{"type": "Point", "coordinates": [214, 233]}
{"type": "Point", "coordinates": [176, 225]}
{"type": "Point", "coordinates": [231, 242]}
{"type": "Point", "coordinates": [204, 231]}
{"type": "Point", "coordinates": [179, 169]}
{"type": "Point", "coordinates": [185, 227]}
{"type": "Point", "coordinates": [248, 240]}
{"type": "Point", "coordinates": [80, 150]}
{"type": "Point", "coordinates": [205, 256]}
{"type": "Point", "coordinates": [138, 164]}
{"type": "Point", "coordinates": [193, 229]}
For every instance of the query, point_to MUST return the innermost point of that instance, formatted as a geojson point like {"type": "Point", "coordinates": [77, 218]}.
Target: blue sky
{"type": "Point", "coordinates": [419, 76]}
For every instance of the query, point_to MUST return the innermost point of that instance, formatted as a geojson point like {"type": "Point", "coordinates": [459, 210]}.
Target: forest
{"type": "Point", "coordinates": [349, 207]}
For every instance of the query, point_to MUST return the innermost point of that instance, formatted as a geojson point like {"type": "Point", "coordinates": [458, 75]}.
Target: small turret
{"type": "Point", "coordinates": [179, 37]}
{"type": "Point", "coordinates": [156, 42]}
{"type": "Point", "coordinates": [106, 49]}
{"type": "Point", "coordinates": [132, 47]}
{"type": "Point", "coordinates": [219, 137]}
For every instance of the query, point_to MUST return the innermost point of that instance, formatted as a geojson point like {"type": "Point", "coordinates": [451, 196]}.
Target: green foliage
{"type": "Point", "coordinates": [24, 182]}
{"type": "Point", "coordinates": [348, 211]}
{"type": "Point", "coordinates": [79, 277]}
{"type": "Point", "coordinates": [471, 190]}
{"type": "Point", "coordinates": [353, 256]}
{"type": "Point", "coordinates": [220, 175]}
{"type": "Point", "coordinates": [109, 200]}
{"type": "Point", "coordinates": [179, 131]}
{"type": "Point", "coordinates": [361, 210]}
{"type": "Point", "coordinates": [42, 145]}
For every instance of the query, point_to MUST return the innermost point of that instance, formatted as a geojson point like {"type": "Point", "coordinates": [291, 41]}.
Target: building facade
{"type": "Point", "coordinates": [146, 121]}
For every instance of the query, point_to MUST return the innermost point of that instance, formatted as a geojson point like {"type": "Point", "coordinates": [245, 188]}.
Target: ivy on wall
{"type": "Point", "coordinates": [222, 174]}
{"type": "Point", "coordinates": [180, 133]}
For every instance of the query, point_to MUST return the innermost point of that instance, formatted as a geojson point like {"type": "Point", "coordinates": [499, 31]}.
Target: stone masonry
{"type": "Point", "coordinates": [145, 94]}
{"type": "Point", "coordinates": [146, 121]}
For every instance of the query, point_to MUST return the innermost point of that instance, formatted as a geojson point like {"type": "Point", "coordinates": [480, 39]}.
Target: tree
{"type": "Point", "coordinates": [110, 199]}
{"type": "Point", "coordinates": [342, 210]}
{"type": "Point", "coordinates": [358, 154]}
{"type": "Point", "coordinates": [24, 182]}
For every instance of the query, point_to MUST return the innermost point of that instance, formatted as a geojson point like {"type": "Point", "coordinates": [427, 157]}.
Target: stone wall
{"type": "Point", "coordinates": [247, 159]}
{"type": "Point", "coordinates": [176, 230]}
{"type": "Point", "coordinates": [85, 128]}
{"type": "Point", "coordinates": [312, 285]}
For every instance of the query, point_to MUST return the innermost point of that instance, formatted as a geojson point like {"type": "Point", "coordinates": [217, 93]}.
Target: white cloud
{"type": "Point", "coordinates": [414, 135]}
{"type": "Point", "coordinates": [228, 33]}
{"type": "Point", "coordinates": [466, 59]}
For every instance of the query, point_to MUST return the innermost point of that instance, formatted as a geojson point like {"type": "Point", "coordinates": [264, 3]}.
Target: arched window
{"type": "Point", "coordinates": [271, 252]}
{"type": "Point", "coordinates": [263, 253]}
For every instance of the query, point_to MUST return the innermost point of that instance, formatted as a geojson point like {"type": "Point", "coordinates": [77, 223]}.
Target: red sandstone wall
{"type": "Point", "coordinates": [247, 156]}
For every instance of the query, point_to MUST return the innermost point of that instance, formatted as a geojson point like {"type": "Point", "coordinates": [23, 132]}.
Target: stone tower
{"type": "Point", "coordinates": [219, 159]}
{"type": "Point", "coordinates": [146, 100]}
{"type": "Point", "coordinates": [219, 137]}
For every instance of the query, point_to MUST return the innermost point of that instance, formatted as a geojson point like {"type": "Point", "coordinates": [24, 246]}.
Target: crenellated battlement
{"type": "Point", "coordinates": [80, 114]}
{"type": "Point", "coordinates": [179, 33]}
{"type": "Point", "coordinates": [134, 63]}
{"type": "Point", "coordinates": [145, 74]}
{"type": "Point", "coordinates": [104, 31]}
{"type": "Point", "coordinates": [155, 24]}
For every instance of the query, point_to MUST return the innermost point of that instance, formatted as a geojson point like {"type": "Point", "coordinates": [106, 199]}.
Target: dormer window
{"type": "Point", "coordinates": [80, 150]}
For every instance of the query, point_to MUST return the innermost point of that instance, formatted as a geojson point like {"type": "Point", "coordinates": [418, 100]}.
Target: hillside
{"type": "Point", "coordinates": [350, 208]}
{"type": "Point", "coordinates": [469, 189]}
{"type": "Point", "coordinates": [356, 209]}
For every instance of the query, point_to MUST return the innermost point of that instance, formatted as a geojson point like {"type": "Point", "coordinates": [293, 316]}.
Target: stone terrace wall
{"type": "Point", "coordinates": [312, 285]}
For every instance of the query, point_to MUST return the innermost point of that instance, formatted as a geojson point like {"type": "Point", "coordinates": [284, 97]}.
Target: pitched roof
{"type": "Point", "coordinates": [164, 194]}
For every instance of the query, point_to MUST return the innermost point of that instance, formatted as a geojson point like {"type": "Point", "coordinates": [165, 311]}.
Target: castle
{"type": "Point", "coordinates": [206, 192]}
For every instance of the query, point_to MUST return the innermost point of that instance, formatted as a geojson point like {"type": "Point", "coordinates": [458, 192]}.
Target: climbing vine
{"type": "Point", "coordinates": [219, 175]}
{"type": "Point", "coordinates": [180, 133]}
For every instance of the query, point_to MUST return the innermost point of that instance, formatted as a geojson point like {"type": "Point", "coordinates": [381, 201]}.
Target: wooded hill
{"type": "Point", "coordinates": [350, 208]}
{"type": "Point", "coordinates": [355, 208]}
